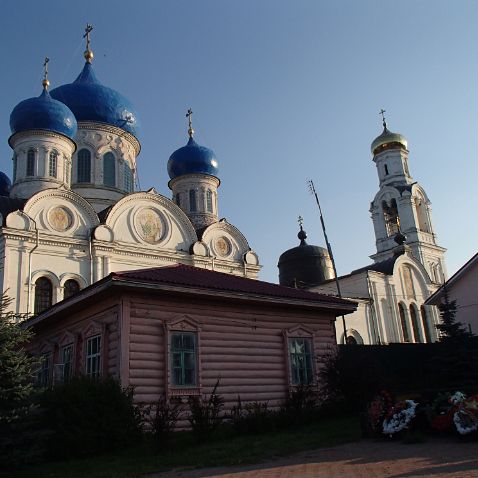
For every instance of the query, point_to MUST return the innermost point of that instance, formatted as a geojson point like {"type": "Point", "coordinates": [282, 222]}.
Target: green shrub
{"type": "Point", "coordinates": [162, 418]}
{"type": "Point", "coordinates": [89, 416]}
{"type": "Point", "coordinates": [253, 417]}
{"type": "Point", "coordinates": [205, 413]}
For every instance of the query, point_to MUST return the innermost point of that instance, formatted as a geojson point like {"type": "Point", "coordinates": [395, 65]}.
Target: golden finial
{"type": "Point", "coordinates": [382, 112]}
{"type": "Point", "coordinates": [88, 53]}
{"type": "Point", "coordinates": [45, 82]}
{"type": "Point", "coordinates": [189, 116]}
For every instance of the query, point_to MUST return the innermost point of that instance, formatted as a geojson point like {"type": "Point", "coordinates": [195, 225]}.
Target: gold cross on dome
{"type": "Point", "coordinates": [88, 30]}
{"type": "Point", "coordinates": [189, 116]}
{"type": "Point", "coordinates": [384, 122]}
{"type": "Point", "coordinates": [45, 81]}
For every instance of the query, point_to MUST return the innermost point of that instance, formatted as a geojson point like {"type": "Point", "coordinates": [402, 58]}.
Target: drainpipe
{"type": "Point", "coordinates": [30, 261]}
{"type": "Point", "coordinates": [90, 248]}
{"type": "Point", "coordinates": [372, 312]}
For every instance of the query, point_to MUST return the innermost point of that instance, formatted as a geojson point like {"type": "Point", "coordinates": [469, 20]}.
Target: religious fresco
{"type": "Point", "coordinates": [149, 226]}
{"type": "Point", "coordinates": [59, 219]}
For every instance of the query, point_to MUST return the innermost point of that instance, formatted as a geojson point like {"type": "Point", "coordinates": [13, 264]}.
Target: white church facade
{"type": "Point", "coordinates": [408, 264]}
{"type": "Point", "coordinates": [71, 214]}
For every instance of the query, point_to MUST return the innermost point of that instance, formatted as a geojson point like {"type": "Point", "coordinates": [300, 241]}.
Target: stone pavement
{"type": "Point", "coordinates": [436, 458]}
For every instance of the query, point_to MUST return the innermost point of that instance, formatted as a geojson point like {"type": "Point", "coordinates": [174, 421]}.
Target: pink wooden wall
{"type": "Point", "coordinates": [244, 345]}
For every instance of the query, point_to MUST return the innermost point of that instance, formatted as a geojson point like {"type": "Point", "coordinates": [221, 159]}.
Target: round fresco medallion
{"type": "Point", "coordinates": [149, 226]}
{"type": "Point", "coordinates": [222, 246]}
{"type": "Point", "coordinates": [59, 218]}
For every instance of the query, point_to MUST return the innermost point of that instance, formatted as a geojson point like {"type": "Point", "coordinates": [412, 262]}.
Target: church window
{"type": "Point", "coordinates": [178, 199]}
{"type": "Point", "coordinates": [31, 162]}
{"type": "Point", "coordinates": [192, 200]}
{"type": "Point", "coordinates": [208, 200]}
{"type": "Point", "coordinates": [386, 169]}
{"type": "Point", "coordinates": [300, 350]}
{"type": "Point", "coordinates": [403, 322]}
{"type": "Point", "coordinates": [93, 356]}
{"type": "Point", "coordinates": [52, 163]}
{"type": "Point", "coordinates": [109, 170]}
{"type": "Point", "coordinates": [14, 167]}
{"type": "Point", "coordinates": [408, 281]}
{"type": "Point", "coordinates": [415, 325]}
{"type": "Point", "coordinates": [84, 166]}
{"type": "Point", "coordinates": [390, 214]}
{"type": "Point", "coordinates": [66, 357]}
{"type": "Point", "coordinates": [184, 359]}
{"type": "Point", "coordinates": [421, 208]}
{"type": "Point", "coordinates": [71, 287]}
{"type": "Point", "coordinates": [43, 294]}
{"type": "Point", "coordinates": [45, 371]}
{"type": "Point", "coordinates": [426, 325]}
{"type": "Point", "coordinates": [128, 178]}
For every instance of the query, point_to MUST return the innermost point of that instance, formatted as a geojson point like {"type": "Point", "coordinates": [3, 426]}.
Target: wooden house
{"type": "Point", "coordinates": [174, 331]}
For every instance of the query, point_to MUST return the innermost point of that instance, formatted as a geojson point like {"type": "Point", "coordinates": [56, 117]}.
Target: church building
{"type": "Point", "coordinates": [408, 264]}
{"type": "Point", "coordinates": [72, 214]}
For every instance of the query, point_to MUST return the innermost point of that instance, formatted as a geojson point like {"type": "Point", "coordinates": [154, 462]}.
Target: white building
{"type": "Point", "coordinates": [72, 215]}
{"type": "Point", "coordinates": [408, 266]}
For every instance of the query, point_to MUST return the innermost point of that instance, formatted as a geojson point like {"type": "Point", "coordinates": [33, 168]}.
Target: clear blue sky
{"type": "Point", "coordinates": [282, 91]}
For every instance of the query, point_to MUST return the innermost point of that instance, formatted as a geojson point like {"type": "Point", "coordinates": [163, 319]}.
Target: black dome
{"type": "Point", "coordinates": [302, 266]}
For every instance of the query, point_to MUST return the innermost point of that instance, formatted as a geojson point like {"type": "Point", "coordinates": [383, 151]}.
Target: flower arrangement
{"type": "Point", "coordinates": [399, 417]}
{"type": "Point", "coordinates": [378, 409]}
{"type": "Point", "coordinates": [465, 417]}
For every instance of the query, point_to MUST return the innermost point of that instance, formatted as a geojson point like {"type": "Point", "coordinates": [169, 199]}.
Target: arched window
{"type": "Point", "coordinates": [422, 215]}
{"type": "Point", "coordinates": [178, 200]}
{"type": "Point", "coordinates": [43, 294]}
{"type": "Point", "coordinates": [84, 166]}
{"type": "Point", "coordinates": [192, 200]}
{"type": "Point", "coordinates": [109, 170]}
{"type": "Point", "coordinates": [128, 178]}
{"type": "Point", "coordinates": [386, 169]}
{"type": "Point", "coordinates": [208, 200]}
{"type": "Point", "coordinates": [70, 288]}
{"type": "Point", "coordinates": [403, 323]}
{"type": "Point", "coordinates": [31, 163]}
{"type": "Point", "coordinates": [14, 167]}
{"type": "Point", "coordinates": [52, 163]}
{"type": "Point", "coordinates": [415, 327]}
{"type": "Point", "coordinates": [390, 214]}
{"type": "Point", "coordinates": [426, 325]}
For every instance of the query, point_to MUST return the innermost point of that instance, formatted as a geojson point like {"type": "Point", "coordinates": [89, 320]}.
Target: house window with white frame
{"type": "Point", "coordinates": [93, 356]}
{"type": "Point", "coordinates": [300, 352]}
{"type": "Point", "coordinates": [183, 357]}
{"type": "Point", "coordinates": [45, 370]}
{"type": "Point", "coordinates": [66, 357]}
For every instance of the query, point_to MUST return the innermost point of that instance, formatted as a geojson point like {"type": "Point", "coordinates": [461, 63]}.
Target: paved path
{"type": "Point", "coordinates": [365, 459]}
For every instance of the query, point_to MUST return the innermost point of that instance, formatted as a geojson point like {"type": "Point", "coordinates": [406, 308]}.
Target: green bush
{"type": "Point", "coordinates": [162, 418]}
{"type": "Point", "coordinates": [204, 413]}
{"type": "Point", "coordinates": [87, 416]}
{"type": "Point", "coordinates": [252, 418]}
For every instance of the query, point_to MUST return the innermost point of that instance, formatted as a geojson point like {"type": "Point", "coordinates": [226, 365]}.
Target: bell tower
{"type": "Point", "coordinates": [402, 206]}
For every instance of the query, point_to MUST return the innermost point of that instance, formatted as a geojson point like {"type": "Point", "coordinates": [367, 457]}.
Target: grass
{"type": "Point", "coordinates": [225, 449]}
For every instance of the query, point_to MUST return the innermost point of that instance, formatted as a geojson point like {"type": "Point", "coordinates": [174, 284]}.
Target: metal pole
{"type": "Point", "coordinates": [329, 249]}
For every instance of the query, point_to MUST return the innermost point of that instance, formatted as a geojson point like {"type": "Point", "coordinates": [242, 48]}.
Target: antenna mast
{"type": "Point", "coordinates": [329, 249]}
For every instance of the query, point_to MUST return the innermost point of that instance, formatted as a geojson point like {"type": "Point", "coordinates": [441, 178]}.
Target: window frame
{"type": "Point", "coordinates": [83, 165]}
{"type": "Point", "coordinates": [36, 308]}
{"type": "Point", "coordinates": [109, 170]}
{"type": "Point", "coordinates": [93, 357]}
{"type": "Point", "coordinates": [209, 201]}
{"type": "Point", "coordinates": [300, 332]}
{"type": "Point", "coordinates": [66, 376]}
{"type": "Point", "coordinates": [296, 378]}
{"type": "Point", "coordinates": [45, 373]}
{"type": "Point", "coordinates": [53, 164]}
{"type": "Point", "coordinates": [31, 163]}
{"type": "Point", "coordinates": [65, 288]}
{"type": "Point", "coordinates": [193, 207]}
{"type": "Point", "coordinates": [183, 352]}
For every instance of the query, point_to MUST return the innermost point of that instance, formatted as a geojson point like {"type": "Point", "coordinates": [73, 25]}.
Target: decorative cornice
{"type": "Point", "coordinates": [39, 132]}
{"type": "Point", "coordinates": [91, 125]}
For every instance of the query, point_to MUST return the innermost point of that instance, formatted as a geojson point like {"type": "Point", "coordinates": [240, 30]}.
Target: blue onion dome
{"type": "Point", "coordinates": [43, 113]}
{"type": "Point", "coordinates": [5, 184]}
{"type": "Point", "coordinates": [388, 140]}
{"type": "Point", "coordinates": [192, 159]}
{"type": "Point", "coordinates": [91, 101]}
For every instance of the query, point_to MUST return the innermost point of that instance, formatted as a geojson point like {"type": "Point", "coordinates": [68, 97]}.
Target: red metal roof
{"type": "Point", "coordinates": [180, 274]}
